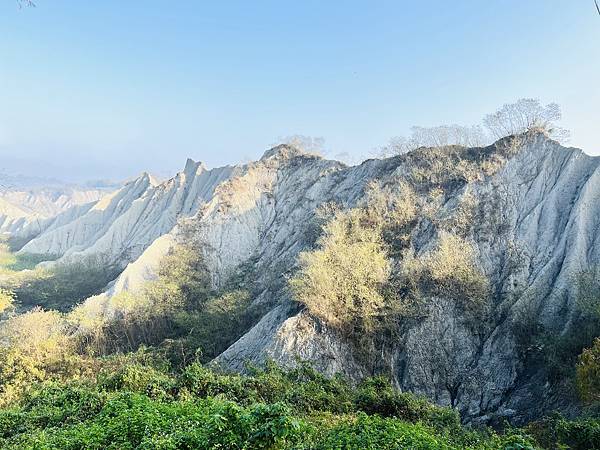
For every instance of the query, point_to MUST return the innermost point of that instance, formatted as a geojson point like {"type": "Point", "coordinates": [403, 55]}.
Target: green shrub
{"type": "Point", "coordinates": [140, 378]}
{"type": "Point", "coordinates": [7, 299]}
{"type": "Point", "coordinates": [35, 347]}
{"type": "Point", "coordinates": [448, 271]}
{"type": "Point", "coordinates": [64, 284]}
{"type": "Point", "coordinates": [203, 382]}
{"type": "Point", "coordinates": [557, 432]}
{"type": "Point", "coordinates": [130, 421]}
{"type": "Point", "coordinates": [23, 261]}
{"type": "Point", "coordinates": [220, 321]}
{"type": "Point", "coordinates": [341, 282]}
{"type": "Point", "coordinates": [376, 396]}
{"type": "Point", "coordinates": [588, 373]}
{"type": "Point", "coordinates": [371, 433]}
{"type": "Point", "coordinates": [309, 390]}
{"type": "Point", "coordinates": [51, 405]}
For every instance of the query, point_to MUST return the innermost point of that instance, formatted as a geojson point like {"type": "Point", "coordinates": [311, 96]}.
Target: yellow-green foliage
{"type": "Point", "coordinates": [392, 209]}
{"type": "Point", "coordinates": [588, 292]}
{"type": "Point", "coordinates": [177, 310]}
{"type": "Point", "coordinates": [395, 205]}
{"type": "Point", "coordinates": [184, 275]}
{"type": "Point", "coordinates": [346, 281]}
{"type": "Point", "coordinates": [6, 299]}
{"type": "Point", "coordinates": [588, 373]}
{"type": "Point", "coordinates": [462, 218]}
{"type": "Point", "coordinates": [218, 324]}
{"type": "Point", "coordinates": [12, 263]}
{"type": "Point", "coordinates": [448, 271]}
{"type": "Point", "coordinates": [6, 257]}
{"type": "Point", "coordinates": [33, 344]}
{"type": "Point", "coordinates": [341, 282]}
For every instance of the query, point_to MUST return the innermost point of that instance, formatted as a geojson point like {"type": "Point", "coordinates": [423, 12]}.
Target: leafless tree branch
{"type": "Point", "coordinates": [26, 3]}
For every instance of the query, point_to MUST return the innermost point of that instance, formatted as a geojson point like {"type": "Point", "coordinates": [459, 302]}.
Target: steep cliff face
{"type": "Point", "coordinates": [263, 212]}
{"type": "Point", "coordinates": [529, 207]}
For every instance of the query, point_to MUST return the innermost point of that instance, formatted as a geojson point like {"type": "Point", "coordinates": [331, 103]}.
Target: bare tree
{"type": "Point", "coordinates": [444, 357]}
{"type": "Point", "coordinates": [448, 135]}
{"type": "Point", "coordinates": [526, 114]}
{"type": "Point", "coordinates": [438, 136]}
{"type": "Point", "coordinates": [308, 144]}
{"type": "Point", "coordinates": [25, 3]}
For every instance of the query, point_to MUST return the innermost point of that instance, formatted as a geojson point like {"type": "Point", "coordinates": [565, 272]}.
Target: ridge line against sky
{"type": "Point", "coordinates": [109, 89]}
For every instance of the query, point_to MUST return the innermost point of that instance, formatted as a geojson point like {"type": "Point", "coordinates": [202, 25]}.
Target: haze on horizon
{"type": "Point", "coordinates": [105, 90]}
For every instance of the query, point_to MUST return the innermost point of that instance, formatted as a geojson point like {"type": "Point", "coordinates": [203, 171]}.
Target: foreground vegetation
{"type": "Point", "coordinates": [65, 384]}
{"type": "Point", "coordinates": [137, 402]}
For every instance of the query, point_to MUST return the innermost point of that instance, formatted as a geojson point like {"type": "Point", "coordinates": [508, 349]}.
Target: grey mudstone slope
{"type": "Point", "coordinates": [122, 225]}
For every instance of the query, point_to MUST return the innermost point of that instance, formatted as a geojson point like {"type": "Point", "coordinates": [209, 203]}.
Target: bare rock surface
{"type": "Point", "coordinates": [122, 225]}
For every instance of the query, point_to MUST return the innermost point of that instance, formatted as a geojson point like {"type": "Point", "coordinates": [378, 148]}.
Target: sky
{"type": "Point", "coordinates": [108, 89]}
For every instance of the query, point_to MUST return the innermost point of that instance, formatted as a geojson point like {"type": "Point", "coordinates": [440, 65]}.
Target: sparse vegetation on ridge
{"type": "Point", "coordinates": [526, 115]}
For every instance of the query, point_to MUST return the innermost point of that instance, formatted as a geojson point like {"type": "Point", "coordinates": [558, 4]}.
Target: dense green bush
{"type": "Point", "coordinates": [376, 396]}
{"type": "Point", "coordinates": [140, 378]}
{"type": "Point", "coordinates": [303, 388]}
{"type": "Point", "coordinates": [129, 420]}
{"type": "Point", "coordinates": [560, 433]}
{"type": "Point", "coordinates": [371, 432]}
{"type": "Point", "coordinates": [588, 373]}
{"type": "Point", "coordinates": [221, 320]}
{"type": "Point", "coordinates": [52, 405]}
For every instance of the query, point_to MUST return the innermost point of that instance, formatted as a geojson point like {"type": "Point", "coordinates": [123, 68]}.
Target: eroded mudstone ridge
{"type": "Point", "coordinates": [528, 207]}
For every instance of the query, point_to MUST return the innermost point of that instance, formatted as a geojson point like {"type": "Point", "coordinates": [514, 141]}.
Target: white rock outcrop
{"type": "Point", "coordinates": [123, 224]}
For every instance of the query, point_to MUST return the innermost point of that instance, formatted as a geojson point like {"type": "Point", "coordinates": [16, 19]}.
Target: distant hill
{"type": "Point", "coordinates": [24, 200]}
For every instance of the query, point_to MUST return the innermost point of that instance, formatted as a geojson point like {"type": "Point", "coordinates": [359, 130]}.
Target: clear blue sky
{"type": "Point", "coordinates": [106, 89]}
